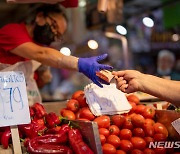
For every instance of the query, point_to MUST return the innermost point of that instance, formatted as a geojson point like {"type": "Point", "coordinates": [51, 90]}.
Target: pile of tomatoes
{"type": "Point", "coordinates": [121, 134]}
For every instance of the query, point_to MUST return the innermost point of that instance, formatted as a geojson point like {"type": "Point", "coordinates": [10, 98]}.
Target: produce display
{"type": "Point", "coordinates": [119, 134]}
{"type": "Point", "coordinates": [125, 133]}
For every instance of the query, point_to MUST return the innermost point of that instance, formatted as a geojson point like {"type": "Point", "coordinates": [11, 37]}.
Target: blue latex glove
{"type": "Point", "coordinates": [89, 67]}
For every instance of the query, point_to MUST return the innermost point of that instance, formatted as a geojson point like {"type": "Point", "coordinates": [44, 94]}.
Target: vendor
{"type": "Point", "coordinates": [130, 81]}
{"type": "Point", "coordinates": [21, 42]}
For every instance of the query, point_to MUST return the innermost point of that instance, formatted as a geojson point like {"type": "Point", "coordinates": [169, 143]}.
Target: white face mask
{"type": "Point", "coordinates": [164, 72]}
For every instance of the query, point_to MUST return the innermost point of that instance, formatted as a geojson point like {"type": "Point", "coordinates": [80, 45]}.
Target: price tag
{"type": "Point", "coordinates": [176, 125]}
{"type": "Point", "coordinates": [14, 108]}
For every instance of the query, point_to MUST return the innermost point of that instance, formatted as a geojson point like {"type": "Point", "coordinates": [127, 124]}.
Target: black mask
{"type": "Point", "coordinates": [43, 34]}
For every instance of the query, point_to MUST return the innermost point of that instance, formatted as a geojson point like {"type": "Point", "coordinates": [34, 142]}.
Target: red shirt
{"type": "Point", "coordinates": [11, 36]}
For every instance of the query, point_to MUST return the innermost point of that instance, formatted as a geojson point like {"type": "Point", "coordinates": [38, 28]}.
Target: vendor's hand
{"type": "Point", "coordinates": [89, 67]}
{"type": "Point", "coordinates": [128, 81]}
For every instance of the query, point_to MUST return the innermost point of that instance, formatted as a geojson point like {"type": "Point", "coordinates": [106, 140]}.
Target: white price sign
{"type": "Point", "coordinates": [14, 108]}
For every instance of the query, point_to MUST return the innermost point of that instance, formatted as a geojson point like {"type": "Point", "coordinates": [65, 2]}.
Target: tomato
{"type": "Point", "coordinates": [125, 134]}
{"type": "Point", "coordinates": [79, 96]}
{"type": "Point", "coordinates": [149, 122]}
{"type": "Point", "coordinates": [148, 112]}
{"type": "Point", "coordinates": [148, 140]}
{"type": "Point", "coordinates": [104, 132]}
{"type": "Point", "coordinates": [148, 151]}
{"type": "Point", "coordinates": [132, 115]}
{"type": "Point", "coordinates": [139, 132]}
{"type": "Point", "coordinates": [114, 140]}
{"type": "Point", "coordinates": [127, 124]}
{"type": "Point", "coordinates": [83, 119]}
{"type": "Point", "coordinates": [149, 130]}
{"type": "Point", "coordinates": [160, 128]}
{"type": "Point", "coordinates": [139, 108]}
{"type": "Point", "coordinates": [133, 106]}
{"type": "Point", "coordinates": [73, 105]}
{"type": "Point", "coordinates": [133, 98]}
{"type": "Point", "coordinates": [120, 152]}
{"type": "Point", "coordinates": [138, 143]}
{"type": "Point", "coordinates": [159, 137]}
{"type": "Point", "coordinates": [138, 120]}
{"type": "Point", "coordinates": [86, 113]}
{"type": "Point", "coordinates": [103, 121]}
{"type": "Point", "coordinates": [118, 120]}
{"type": "Point", "coordinates": [62, 110]}
{"type": "Point", "coordinates": [160, 150]}
{"type": "Point", "coordinates": [78, 114]}
{"type": "Point", "coordinates": [114, 130]}
{"type": "Point", "coordinates": [102, 139]}
{"type": "Point", "coordinates": [136, 151]}
{"type": "Point", "coordinates": [108, 149]}
{"type": "Point", "coordinates": [126, 145]}
{"type": "Point", "coordinates": [69, 114]}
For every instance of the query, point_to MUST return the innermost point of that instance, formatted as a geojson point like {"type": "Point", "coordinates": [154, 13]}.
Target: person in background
{"type": "Point", "coordinates": [165, 65]}
{"type": "Point", "coordinates": [130, 81]}
{"type": "Point", "coordinates": [21, 42]}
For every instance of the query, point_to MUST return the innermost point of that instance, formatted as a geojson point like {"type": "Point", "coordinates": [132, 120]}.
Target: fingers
{"type": "Point", "coordinates": [105, 67]}
{"type": "Point", "coordinates": [102, 57]}
{"type": "Point", "coordinates": [95, 80]}
{"type": "Point", "coordinates": [118, 73]}
{"type": "Point", "coordinates": [121, 84]}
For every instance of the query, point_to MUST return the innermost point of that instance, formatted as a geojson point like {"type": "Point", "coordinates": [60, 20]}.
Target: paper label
{"type": "Point", "coordinates": [106, 100]}
{"type": "Point", "coordinates": [14, 108]}
{"type": "Point", "coordinates": [176, 125]}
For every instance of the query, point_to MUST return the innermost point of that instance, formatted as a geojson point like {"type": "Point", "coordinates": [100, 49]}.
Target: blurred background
{"type": "Point", "coordinates": [137, 34]}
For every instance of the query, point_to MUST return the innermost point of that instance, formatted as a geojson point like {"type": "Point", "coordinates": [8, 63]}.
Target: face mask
{"type": "Point", "coordinates": [43, 34]}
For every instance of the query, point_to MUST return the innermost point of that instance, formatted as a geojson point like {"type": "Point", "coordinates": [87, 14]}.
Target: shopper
{"type": "Point", "coordinates": [130, 81]}
{"type": "Point", "coordinates": [19, 42]}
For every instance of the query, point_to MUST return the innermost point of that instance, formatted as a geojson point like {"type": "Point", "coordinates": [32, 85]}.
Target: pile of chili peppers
{"type": "Point", "coordinates": [46, 134]}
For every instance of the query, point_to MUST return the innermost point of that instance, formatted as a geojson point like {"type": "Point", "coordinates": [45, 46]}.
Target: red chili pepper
{"type": "Point", "coordinates": [39, 110]}
{"type": "Point", "coordinates": [39, 125]}
{"type": "Point", "coordinates": [31, 111]}
{"type": "Point", "coordinates": [52, 120]}
{"type": "Point", "coordinates": [77, 142]}
{"type": "Point", "coordinates": [54, 130]}
{"type": "Point", "coordinates": [5, 138]}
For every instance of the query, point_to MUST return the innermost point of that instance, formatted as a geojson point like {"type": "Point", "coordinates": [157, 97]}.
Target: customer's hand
{"type": "Point", "coordinates": [89, 67]}
{"type": "Point", "coordinates": [128, 80]}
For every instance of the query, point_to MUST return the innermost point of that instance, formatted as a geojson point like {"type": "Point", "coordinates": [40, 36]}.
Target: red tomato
{"type": "Point", "coordinates": [133, 98]}
{"type": "Point", "coordinates": [148, 151]}
{"type": "Point", "coordinates": [78, 114]}
{"type": "Point", "coordinates": [73, 105]}
{"type": "Point", "coordinates": [86, 113]}
{"type": "Point", "coordinates": [120, 152]}
{"type": "Point", "coordinates": [114, 140]}
{"type": "Point", "coordinates": [139, 132]}
{"type": "Point", "coordinates": [62, 110]}
{"type": "Point", "coordinates": [160, 150]}
{"type": "Point", "coordinates": [148, 112]}
{"type": "Point", "coordinates": [102, 139]}
{"type": "Point", "coordinates": [132, 115]}
{"type": "Point", "coordinates": [69, 114]}
{"type": "Point", "coordinates": [114, 130]}
{"type": "Point", "coordinates": [140, 108]}
{"type": "Point", "coordinates": [148, 140]}
{"type": "Point", "coordinates": [133, 106]}
{"type": "Point", "coordinates": [149, 130]}
{"type": "Point", "coordinates": [138, 143]}
{"type": "Point", "coordinates": [104, 132]}
{"type": "Point", "coordinates": [138, 120]}
{"type": "Point", "coordinates": [118, 120]}
{"type": "Point", "coordinates": [159, 137]}
{"type": "Point", "coordinates": [149, 122]}
{"type": "Point", "coordinates": [160, 128]}
{"type": "Point", "coordinates": [79, 96]}
{"type": "Point", "coordinates": [103, 121]}
{"type": "Point", "coordinates": [136, 151]}
{"type": "Point", "coordinates": [125, 134]}
{"type": "Point", "coordinates": [108, 149]}
{"type": "Point", "coordinates": [126, 145]}
{"type": "Point", "coordinates": [127, 124]}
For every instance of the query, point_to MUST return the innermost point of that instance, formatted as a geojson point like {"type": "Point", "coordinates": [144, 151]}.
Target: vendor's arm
{"type": "Point", "coordinates": [131, 81]}
{"type": "Point", "coordinates": [45, 55]}
{"type": "Point", "coordinates": [52, 57]}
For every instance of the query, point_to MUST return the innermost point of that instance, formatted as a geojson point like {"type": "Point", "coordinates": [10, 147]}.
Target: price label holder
{"type": "Point", "coordinates": [14, 108]}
